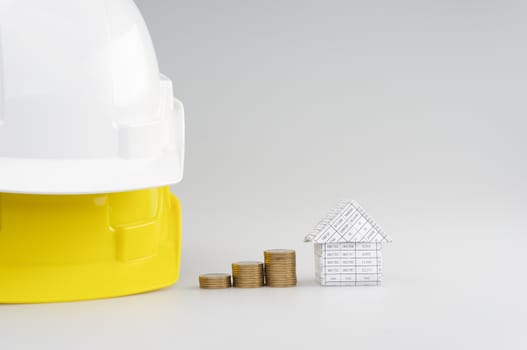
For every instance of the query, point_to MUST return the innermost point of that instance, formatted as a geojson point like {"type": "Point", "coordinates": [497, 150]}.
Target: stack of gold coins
{"type": "Point", "coordinates": [215, 281]}
{"type": "Point", "coordinates": [280, 267]}
{"type": "Point", "coordinates": [248, 274]}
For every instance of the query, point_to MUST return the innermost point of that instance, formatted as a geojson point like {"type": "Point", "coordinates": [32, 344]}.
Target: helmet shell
{"type": "Point", "coordinates": [83, 107]}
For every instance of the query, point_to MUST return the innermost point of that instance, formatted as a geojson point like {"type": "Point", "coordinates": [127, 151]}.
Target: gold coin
{"type": "Point", "coordinates": [279, 251]}
{"type": "Point", "coordinates": [271, 264]}
{"type": "Point", "coordinates": [219, 282]}
{"type": "Point", "coordinates": [254, 271]}
{"type": "Point", "coordinates": [249, 276]}
{"type": "Point", "coordinates": [272, 280]}
{"type": "Point", "coordinates": [285, 267]}
{"type": "Point", "coordinates": [248, 273]}
{"type": "Point", "coordinates": [248, 285]}
{"type": "Point", "coordinates": [280, 280]}
{"type": "Point", "coordinates": [281, 285]}
{"type": "Point", "coordinates": [280, 271]}
{"type": "Point", "coordinates": [215, 276]}
{"type": "Point", "coordinates": [215, 281]}
{"type": "Point", "coordinates": [243, 280]}
{"type": "Point", "coordinates": [247, 263]}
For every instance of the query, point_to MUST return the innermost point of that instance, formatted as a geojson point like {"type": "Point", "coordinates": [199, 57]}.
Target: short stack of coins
{"type": "Point", "coordinates": [280, 267]}
{"type": "Point", "coordinates": [215, 281]}
{"type": "Point", "coordinates": [248, 274]}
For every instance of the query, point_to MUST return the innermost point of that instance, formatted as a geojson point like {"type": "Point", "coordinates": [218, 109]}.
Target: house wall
{"type": "Point", "coordinates": [353, 264]}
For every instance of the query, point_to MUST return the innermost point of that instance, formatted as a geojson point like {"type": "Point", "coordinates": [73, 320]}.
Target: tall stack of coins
{"type": "Point", "coordinates": [215, 281]}
{"type": "Point", "coordinates": [248, 274]}
{"type": "Point", "coordinates": [280, 267]}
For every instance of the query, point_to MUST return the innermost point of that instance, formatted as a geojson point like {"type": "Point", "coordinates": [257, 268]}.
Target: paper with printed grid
{"type": "Point", "coordinates": [347, 222]}
{"type": "Point", "coordinates": [348, 264]}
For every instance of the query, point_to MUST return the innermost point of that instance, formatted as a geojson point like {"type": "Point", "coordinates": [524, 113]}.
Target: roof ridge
{"type": "Point", "coordinates": [347, 222]}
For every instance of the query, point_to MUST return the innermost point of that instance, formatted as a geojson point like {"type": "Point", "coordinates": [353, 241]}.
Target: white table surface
{"type": "Point", "coordinates": [455, 295]}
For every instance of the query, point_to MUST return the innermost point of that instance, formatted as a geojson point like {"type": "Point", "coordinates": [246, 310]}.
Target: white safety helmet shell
{"type": "Point", "coordinates": [83, 107]}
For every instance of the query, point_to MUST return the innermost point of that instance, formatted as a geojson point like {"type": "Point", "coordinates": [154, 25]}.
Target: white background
{"type": "Point", "coordinates": [416, 109]}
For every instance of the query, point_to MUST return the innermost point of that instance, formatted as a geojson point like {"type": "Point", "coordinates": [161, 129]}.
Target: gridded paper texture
{"type": "Point", "coordinates": [348, 264]}
{"type": "Point", "coordinates": [347, 222]}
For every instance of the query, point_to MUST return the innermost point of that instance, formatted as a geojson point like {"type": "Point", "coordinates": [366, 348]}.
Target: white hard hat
{"type": "Point", "coordinates": [83, 107]}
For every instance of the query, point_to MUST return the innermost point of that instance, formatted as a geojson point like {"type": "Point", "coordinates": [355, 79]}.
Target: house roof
{"type": "Point", "coordinates": [347, 222]}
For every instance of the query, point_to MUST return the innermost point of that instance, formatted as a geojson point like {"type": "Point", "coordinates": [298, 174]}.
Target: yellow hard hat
{"type": "Point", "coordinates": [90, 139]}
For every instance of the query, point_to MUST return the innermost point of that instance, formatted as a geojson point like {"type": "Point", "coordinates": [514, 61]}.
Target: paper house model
{"type": "Point", "coordinates": [348, 247]}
